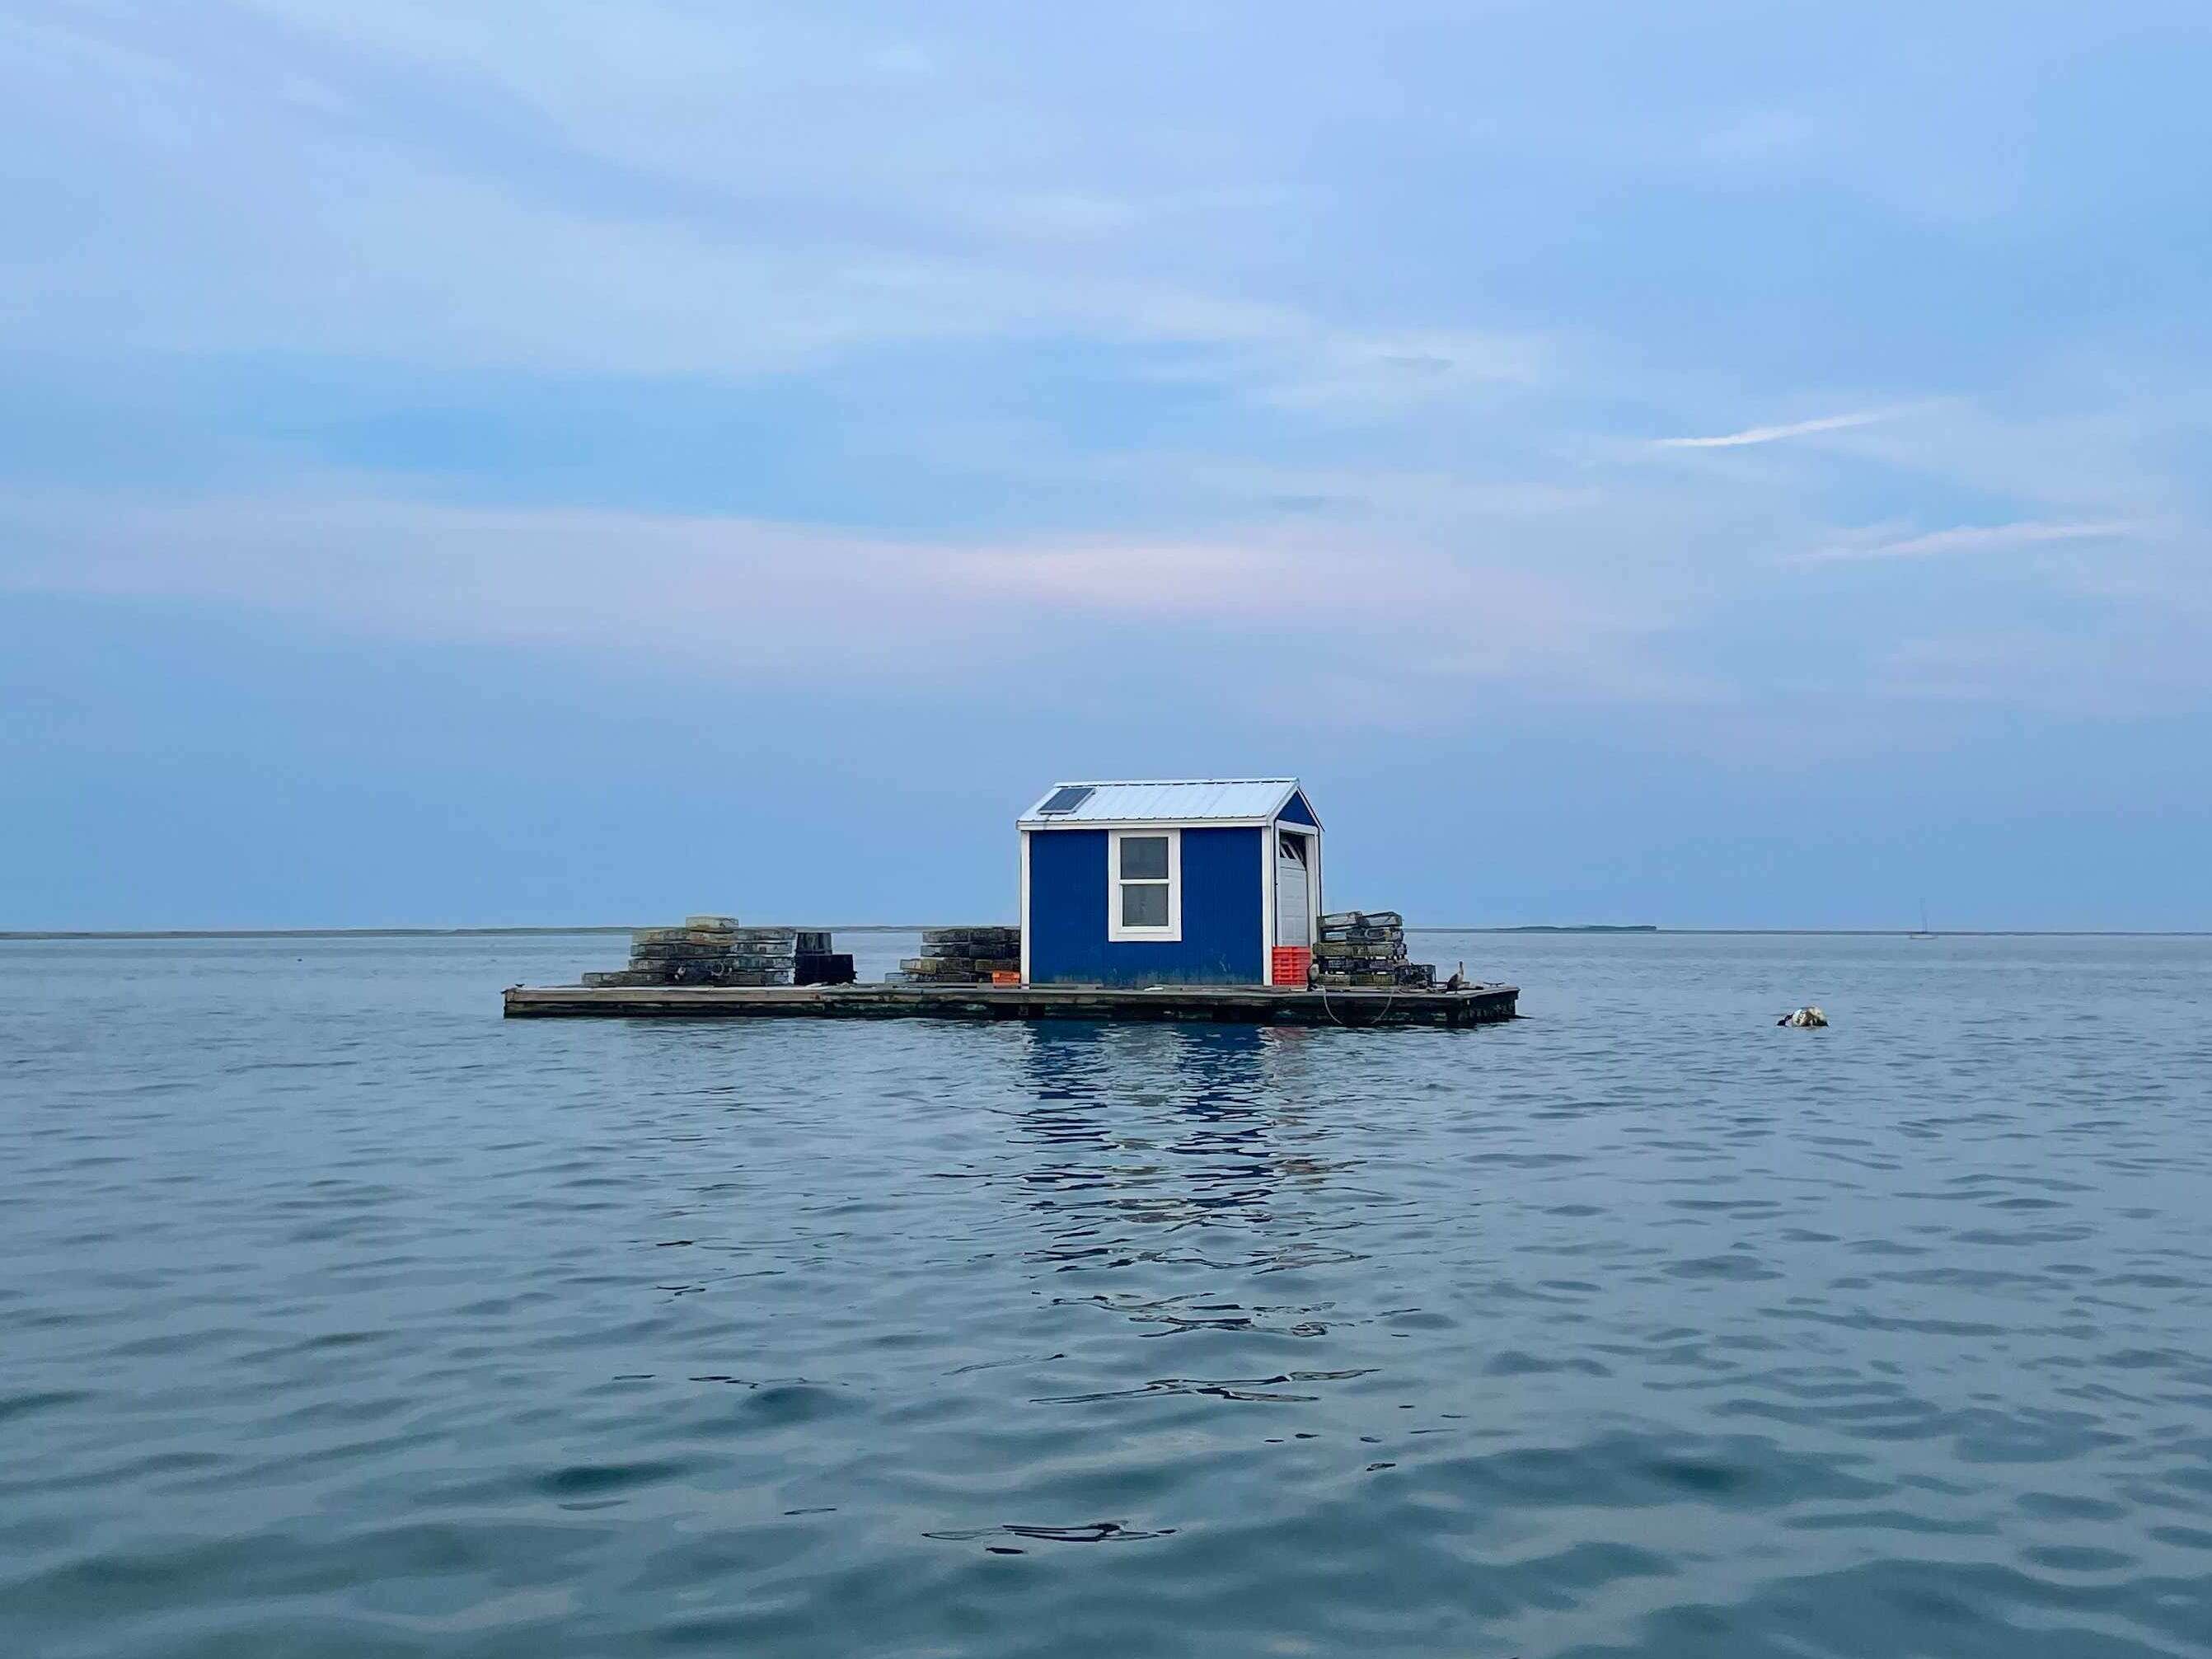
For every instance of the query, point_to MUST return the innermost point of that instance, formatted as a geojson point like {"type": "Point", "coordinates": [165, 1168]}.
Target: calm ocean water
{"type": "Point", "coordinates": [339, 1317]}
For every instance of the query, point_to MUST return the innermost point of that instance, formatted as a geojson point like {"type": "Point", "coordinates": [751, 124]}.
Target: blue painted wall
{"type": "Point", "coordinates": [1296, 810]}
{"type": "Point", "coordinates": [1221, 920]}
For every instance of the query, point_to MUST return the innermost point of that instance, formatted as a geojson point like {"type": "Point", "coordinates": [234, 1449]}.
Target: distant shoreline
{"type": "Point", "coordinates": [402, 932]}
{"type": "Point", "coordinates": [1559, 928]}
{"type": "Point", "coordinates": [1637, 930]}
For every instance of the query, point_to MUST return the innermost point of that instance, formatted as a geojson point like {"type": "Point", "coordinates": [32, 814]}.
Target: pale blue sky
{"type": "Point", "coordinates": [1710, 463]}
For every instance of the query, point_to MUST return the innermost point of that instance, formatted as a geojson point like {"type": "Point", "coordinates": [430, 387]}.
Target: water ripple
{"type": "Point", "coordinates": [346, 1320]}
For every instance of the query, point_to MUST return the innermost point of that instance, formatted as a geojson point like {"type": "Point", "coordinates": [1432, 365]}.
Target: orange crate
{"type": "Point", "coordinates": [1292, 965]}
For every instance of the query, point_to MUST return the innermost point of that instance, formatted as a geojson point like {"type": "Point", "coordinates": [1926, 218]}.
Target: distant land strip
{"type": "Point", "coordinates": [405, 932]}
{"type": "Point", "coordinates": [1640, 928]}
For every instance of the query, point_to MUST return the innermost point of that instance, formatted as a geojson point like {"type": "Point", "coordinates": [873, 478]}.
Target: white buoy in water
{"type": "Point", "coordinates": [1803, 1016]}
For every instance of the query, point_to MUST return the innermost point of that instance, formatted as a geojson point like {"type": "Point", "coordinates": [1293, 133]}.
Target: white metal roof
{"type": "Point", "coordinates": [1185, 800]}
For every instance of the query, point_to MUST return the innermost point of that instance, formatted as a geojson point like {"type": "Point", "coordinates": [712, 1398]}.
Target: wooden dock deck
{"type": "Point", "coordinates": [1479, 1005]}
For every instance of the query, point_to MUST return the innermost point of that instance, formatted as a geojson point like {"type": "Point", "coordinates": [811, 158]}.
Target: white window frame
{"type": "Point", "coordinates": [1115, 932]}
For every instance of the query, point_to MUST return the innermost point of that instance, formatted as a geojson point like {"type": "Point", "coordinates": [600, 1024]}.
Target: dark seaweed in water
{"type": "Point", "coordinates": [342, 1318]}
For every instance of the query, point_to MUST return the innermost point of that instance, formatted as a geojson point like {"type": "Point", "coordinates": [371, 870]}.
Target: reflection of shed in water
{"type": "Point", "coordinates": [1173, 1164]}
{"type": "Point", "coordinates": [1161, 1126]}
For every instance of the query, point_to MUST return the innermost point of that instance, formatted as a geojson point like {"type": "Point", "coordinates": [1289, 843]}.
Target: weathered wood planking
{"type": "Point", "coordinates": [1480, 1005]}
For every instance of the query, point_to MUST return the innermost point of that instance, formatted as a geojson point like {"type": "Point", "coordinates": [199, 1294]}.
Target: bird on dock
{"type": "Point", "coordinates": [1803, 1016]}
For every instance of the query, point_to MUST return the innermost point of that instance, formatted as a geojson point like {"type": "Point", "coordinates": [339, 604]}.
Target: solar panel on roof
{"type": "Point", "coordinates": [1066, 798]}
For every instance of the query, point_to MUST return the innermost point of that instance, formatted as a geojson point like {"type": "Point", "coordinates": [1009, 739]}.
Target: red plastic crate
{"type": "Point", "coordinates": [1292, 965]}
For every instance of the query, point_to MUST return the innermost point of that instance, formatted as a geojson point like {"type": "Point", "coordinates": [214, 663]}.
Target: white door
{"type": "Point", "coordinates": [1293, 914]}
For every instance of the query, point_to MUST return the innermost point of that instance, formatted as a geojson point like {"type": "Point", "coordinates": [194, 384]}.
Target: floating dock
{"type": "Point", "coordinates": [1227, 1005]}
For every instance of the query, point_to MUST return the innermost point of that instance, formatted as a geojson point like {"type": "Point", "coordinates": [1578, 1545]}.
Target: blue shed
{"type": "Point", "coordinates": [1187, 883]}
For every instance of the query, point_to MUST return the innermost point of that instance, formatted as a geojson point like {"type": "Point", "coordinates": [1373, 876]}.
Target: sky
{"type": "Point", "coordinates": [1709, 464]}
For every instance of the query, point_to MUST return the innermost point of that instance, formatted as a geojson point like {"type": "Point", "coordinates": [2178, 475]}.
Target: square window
{"type": "Point", "coordinates": [1144, 904]}
{"type": "Point", "coordinates": [1145, 858]}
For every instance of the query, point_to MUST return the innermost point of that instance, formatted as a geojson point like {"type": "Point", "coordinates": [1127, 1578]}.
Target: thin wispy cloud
{"type": "Point", "coordinates": [1768, 435]}
{"type": "Point", "coordinates": [679, 587]}
{"type": "Point", "coordinates": [1965, 538]}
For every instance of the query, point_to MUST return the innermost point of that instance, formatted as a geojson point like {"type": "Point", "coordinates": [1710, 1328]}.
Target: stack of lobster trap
{"type": "Point", "coordinates": [964, 956]}
{"type": "Point", "coordinates": [716, 951]}
{"type": "Point", "coordinates": [1367, 948]}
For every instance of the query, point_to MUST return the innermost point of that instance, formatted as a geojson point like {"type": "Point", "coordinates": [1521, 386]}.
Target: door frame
{"type": "Point", "coordinates": [1270, 922]}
